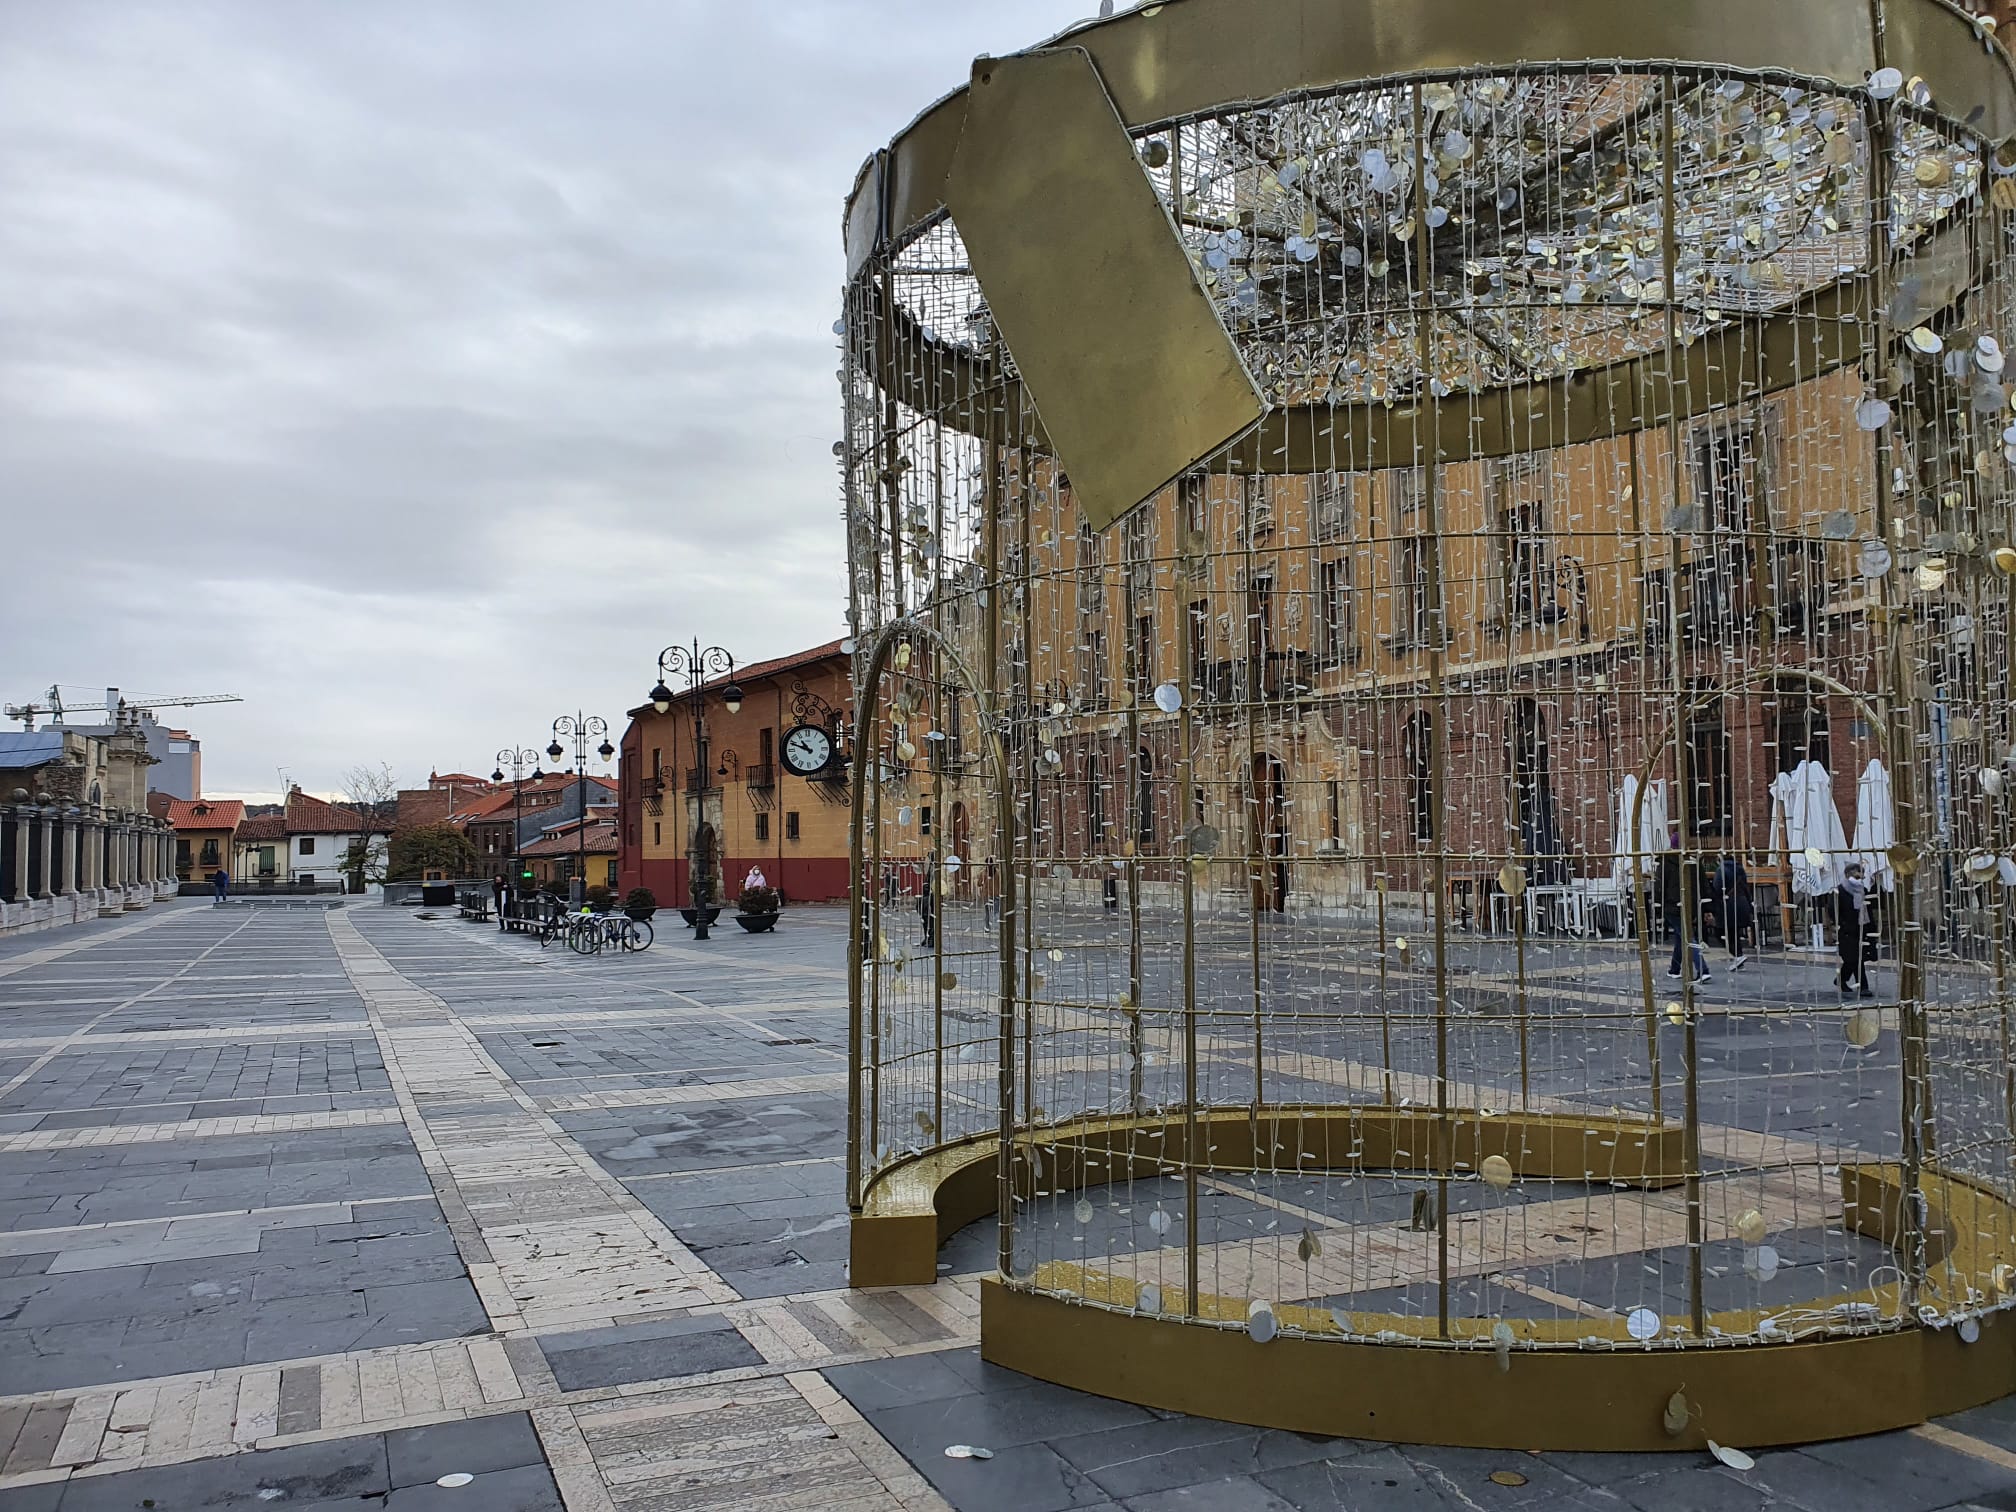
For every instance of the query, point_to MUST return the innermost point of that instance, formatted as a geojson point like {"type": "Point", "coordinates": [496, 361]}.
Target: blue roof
{"type": "Point", "coordinates": [20, 749]}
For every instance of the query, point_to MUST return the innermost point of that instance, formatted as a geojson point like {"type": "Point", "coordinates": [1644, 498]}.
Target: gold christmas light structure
{"type": "Point", "coordinates": [1366, 549]}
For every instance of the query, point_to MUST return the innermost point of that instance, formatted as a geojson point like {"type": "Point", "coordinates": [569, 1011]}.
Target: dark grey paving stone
{"type": "Point", "coordinates": [997, 1419]}
{"type": "Point", "coordinates": [338, 1470]}
{"type": "Point", "coordinates": [1914, 1470]}
{"type": "Point", "coordinates": [651, 1359]}
{"type": "Point", "coordinates": [1695, 1488]}
{"type": "Point", "coordinates": [527, 1489]}
{"type": "Point", "coordinates": [874, 1385]}
{"type": "Point", "coordinates": [1237, 1494]}
{"type": "Point", "coordinates": [1180, 1451]}
{"type": "Point", "coordinates": [32, 1498]}
{"type": "Point", "coordinates": [1379, 1480]}
{"type": "Point", "coordinates": [423, 1455]}
{"type": "Point", "coordinates": [1019, 1478]}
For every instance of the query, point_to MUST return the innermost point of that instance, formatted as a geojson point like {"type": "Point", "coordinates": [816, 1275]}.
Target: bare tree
{"type": "Point", "coordinates": [374, 793]}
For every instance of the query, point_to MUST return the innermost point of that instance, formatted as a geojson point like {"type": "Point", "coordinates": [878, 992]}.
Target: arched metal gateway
{"type": "Point", "coordinates": [1375, 529]}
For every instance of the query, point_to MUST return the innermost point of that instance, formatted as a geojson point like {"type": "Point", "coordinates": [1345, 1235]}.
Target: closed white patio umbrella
{"type": "Point", "coordinates": [1652, 837]}
{"type": "Point", "coordinates": [1815, 841]}
{"type": "Point", "coordinates": [1875, 825]}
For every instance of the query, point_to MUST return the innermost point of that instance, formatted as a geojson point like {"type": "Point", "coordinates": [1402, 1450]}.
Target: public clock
{"type": "Point", "coordinates": [808, 750]}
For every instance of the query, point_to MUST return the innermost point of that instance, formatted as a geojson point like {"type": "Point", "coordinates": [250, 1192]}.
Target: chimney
{"type": "Point", "coordinates": [112, 705]}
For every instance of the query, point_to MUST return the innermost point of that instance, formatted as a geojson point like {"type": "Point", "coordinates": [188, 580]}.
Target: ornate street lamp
{"type": "Point", "coordinates": [695, 664]}
{"type": "Point", "coordinates": [517, 760]}
{"type": "Point", "coordinates": [583, 728]}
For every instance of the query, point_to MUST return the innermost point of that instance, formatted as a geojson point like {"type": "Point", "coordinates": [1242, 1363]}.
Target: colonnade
{"type": "Point", "coordinates": [61, 863]}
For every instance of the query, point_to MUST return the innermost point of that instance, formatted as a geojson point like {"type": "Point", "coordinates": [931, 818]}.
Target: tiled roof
{"type": "Point", "coordinates": [266, 828]}
{"type": "Point", "coordinates": [309, 815]}
{"type": "Point", "coordinates": [600, 841]}
{"type": "Point", "coordinates": [216, 814]}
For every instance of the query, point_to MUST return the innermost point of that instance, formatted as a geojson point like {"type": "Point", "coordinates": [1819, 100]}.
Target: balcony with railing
{"type": "Point", "coordinates": [761, 775]}
{"type": "Point", "coordinates": [1724, 600]}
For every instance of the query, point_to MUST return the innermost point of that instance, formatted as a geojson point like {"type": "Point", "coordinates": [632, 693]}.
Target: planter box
{"type": "Point", "coordinates": [692, 915]}
{"type": "Point", "coordinates": [757, 923]}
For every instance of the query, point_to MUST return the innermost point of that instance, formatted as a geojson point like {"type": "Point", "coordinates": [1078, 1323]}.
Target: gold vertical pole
{"type": "Point", "coordinates": [1682, 803]}
{"type": "Point", "coordinates": [1437, 732]}
{"type": "Point", "coordinates": [1900, 705]}
{"type": "Point", "coordinates": [856, 915]}
{"type": "Point", "coordinates": [1632, 836]}
{"type": "Point", "coordinates": [936, 880]}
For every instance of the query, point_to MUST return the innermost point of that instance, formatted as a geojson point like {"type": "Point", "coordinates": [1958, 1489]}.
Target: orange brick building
{"type": "Point", "coordinates": [744, 807]}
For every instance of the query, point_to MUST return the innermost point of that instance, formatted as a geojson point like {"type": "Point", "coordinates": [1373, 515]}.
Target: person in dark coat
{"type": "Point", "coordinates": [1851, 923]}
{"type": "Point", "coordinates": [500, 894]}
{"type": "Point", "coordinates": [220, 885]}
{"type": "Point", "coordinates": [1669, 907]}
{"type": "Point", "coordinates": [1734, 907]}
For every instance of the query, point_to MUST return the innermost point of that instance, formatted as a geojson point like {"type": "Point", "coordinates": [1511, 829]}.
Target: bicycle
{"type": "Point", "coordinates": [624, 932]}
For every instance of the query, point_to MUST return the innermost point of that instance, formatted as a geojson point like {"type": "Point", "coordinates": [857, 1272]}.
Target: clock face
{"type": "Point", "coordinates": [808, 749]}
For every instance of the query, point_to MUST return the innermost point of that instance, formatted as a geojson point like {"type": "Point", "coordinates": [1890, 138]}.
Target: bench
{"type": "Point", "coordinates": [473, 903]}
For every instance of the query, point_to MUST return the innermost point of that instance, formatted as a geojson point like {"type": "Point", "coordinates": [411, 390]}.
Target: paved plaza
{"type": "Point", "coordinates": [318, 1206]}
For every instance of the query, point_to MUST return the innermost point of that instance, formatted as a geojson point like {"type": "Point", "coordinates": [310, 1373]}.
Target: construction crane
{"type": "Point", "coordinates": [114, 705]}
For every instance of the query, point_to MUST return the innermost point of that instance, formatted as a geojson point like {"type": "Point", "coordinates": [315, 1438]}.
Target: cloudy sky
{"type": "Point", "coordinates": [416, 369]}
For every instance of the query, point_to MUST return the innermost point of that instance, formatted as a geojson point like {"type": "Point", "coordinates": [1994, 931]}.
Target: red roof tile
{"type": "Point", "coordinates": [309, 815]}
{"type": "Point", "coordinates": [216, 813]}
{"type": "Point", "coordinates": [265, 828]}
{"type": "Point", "coordinates": [600, 841]}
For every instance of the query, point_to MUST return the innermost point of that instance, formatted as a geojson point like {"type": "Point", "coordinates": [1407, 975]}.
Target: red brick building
{"type": "Point", "coordinates": [743, 807]}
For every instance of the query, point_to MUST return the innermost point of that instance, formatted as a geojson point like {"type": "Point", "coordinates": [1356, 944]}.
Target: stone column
{"type": "Point", "coordinates": [67, 829]}
{"type": "Point", "coordinates": [115, 855]}
{"type": "Point", "coordinates": [45, 842]}
{"type": "Point", "coordinates": [19, 881]}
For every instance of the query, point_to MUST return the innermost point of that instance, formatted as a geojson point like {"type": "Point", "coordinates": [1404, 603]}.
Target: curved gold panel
{"type": "Point", "coordinates": [1183, 57]}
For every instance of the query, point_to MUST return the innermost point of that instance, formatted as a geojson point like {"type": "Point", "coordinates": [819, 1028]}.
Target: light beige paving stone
{"type": "Point", "coordinates": [78, 1444]}
{"type": "Point", "coordinates": [258, 1406]}
{"type": "Point", "coordinates": [216, 1412]}
{"type": "Point", "coordinates": [493, 1371]}
{"type": "Point", "coordinates": [342, 1404]}
{"type": "Point", "coordinates": [378, 1390]}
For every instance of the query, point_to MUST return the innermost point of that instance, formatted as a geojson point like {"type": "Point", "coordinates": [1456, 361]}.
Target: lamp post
{"type": "Point", "coordinates": [583, 728]}
{"type": "Point", "coordinates": [695, 664]}
{"type": "Point", "coordinates": [517, 760]}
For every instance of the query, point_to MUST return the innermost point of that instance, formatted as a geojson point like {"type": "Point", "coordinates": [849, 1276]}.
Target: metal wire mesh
{"type": "Point", "coordinates": [1412, 788]}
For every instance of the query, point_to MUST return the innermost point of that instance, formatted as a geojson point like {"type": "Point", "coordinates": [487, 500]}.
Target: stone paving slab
{"type": "Point", "coordinates": [242, 1152]}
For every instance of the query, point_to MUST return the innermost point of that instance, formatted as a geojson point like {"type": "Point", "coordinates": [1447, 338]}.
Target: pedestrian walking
{"type": "Point", "coordinates": [927, 905]}
{"type": "Point", "coordinates": [1671, 887]}
{"type": "Point", "coordinates": [500, 895]}
{"type": "Point", "coordinates": [1851, 922]}
{"type": "Point", "coordinates": [1729, 891]}
{"type": "Point", "coordinates": [220, 885]}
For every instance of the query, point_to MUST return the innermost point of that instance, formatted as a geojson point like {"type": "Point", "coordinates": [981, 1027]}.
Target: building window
{"type": "Point", "coordinates": [1095, 800]}
{"type": "Point", "coordinates": [1135, 548]}
{"type": "Point", "coordinates": [1330, 507]}
{"type": "Point", "coordinates": [1259, 523]}
{"type": "Point", "coordinates": [924, 818]}
{"type": "Point", "coordinates": [1259, 621]}
{"type": "Point", "coordinates": [1091, 577]}
{"type": "Point", "coordinates": [1410, 590]}
{"type": "Point", "coordinates": [612, 875]}
{"type": "Point", "coordinates": [1199, 628]}
{"type": "Point", "coordinates": [1141, 659]}
{"type": "Point", "coordinates": [1710, 796]}
{"type": "Point", "coordinates": [182, 861]}
{"type": "Point", "coordinates": [657, 833]}
{"type": "Point", "coordinates": [791, 825]}
{"type": "Point", "coordinates": [1336, 807]}
{"type": "Point", "coordinates": [1803, 733]}
{"type": "Point", "coordinates": [1418, 748]}
{"type": "Point", "coordinates": [1408, 496]}
{"type": "Point", "coordinates": [1190, 497]}
{"type": "Point", "coordinates": [1338, 610]}
{"type": "Point", "coordinates": [1092, 669]}
{"type": "Point", "coordinates": [1523, 551]}
{"type": "Point", "coordinates": [308, 845]}
{"type": "Point", "coordinates": [762, 826]}
{"type": "Point", "coordinates": [209, 852]}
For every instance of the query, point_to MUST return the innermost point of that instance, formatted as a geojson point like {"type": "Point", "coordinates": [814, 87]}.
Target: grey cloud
{"type": "Point", "coordinates": [417, 370]}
